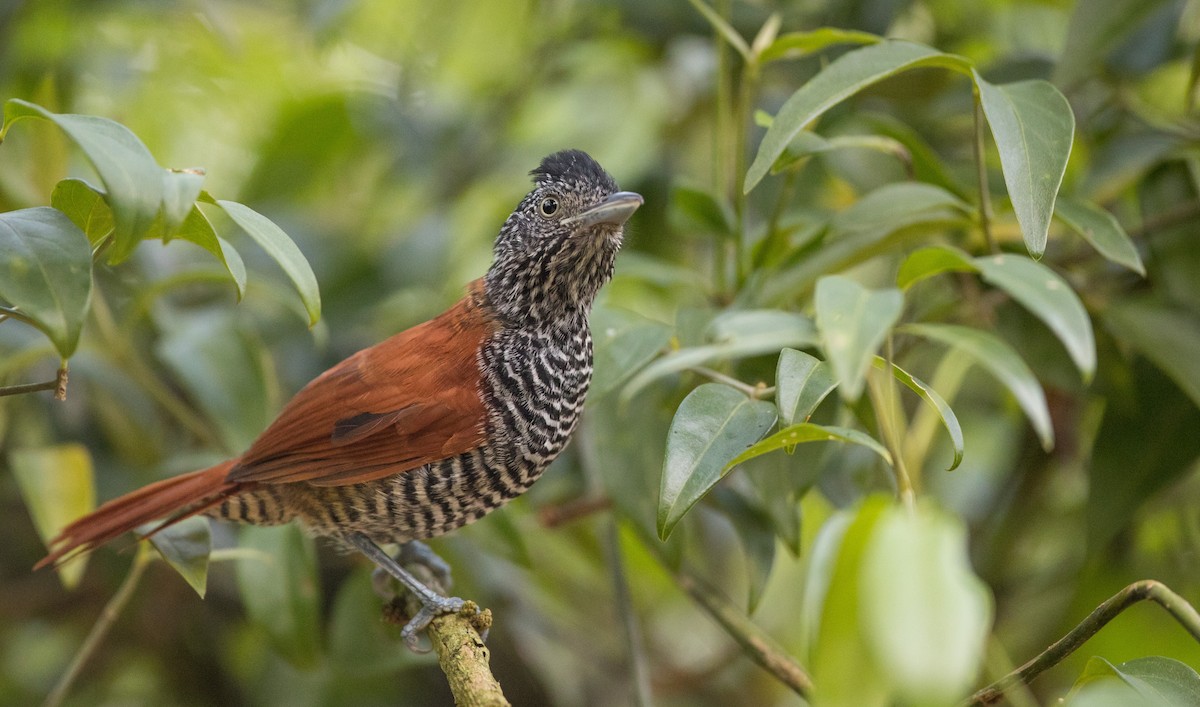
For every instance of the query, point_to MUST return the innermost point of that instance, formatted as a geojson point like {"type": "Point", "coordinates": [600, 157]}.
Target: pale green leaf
{"type": "Point", "coordinates": [57, 485]}
{"type": "Point", "coordinates": [853, 322]}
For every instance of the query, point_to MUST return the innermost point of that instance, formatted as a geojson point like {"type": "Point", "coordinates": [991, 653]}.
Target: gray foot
{"type": "Point", "coordinates": [432, 603]}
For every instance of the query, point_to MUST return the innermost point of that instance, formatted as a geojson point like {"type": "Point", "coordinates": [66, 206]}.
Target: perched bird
{"type": "Point", "coordinates": [437, 425]}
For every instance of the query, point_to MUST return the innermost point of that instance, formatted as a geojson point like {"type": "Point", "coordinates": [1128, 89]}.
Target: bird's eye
{"type": "Point", "coordinates": [549, 206]}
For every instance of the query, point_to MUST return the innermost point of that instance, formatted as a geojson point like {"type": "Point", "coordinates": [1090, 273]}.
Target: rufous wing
{"type": "Point", "coordinates": [411, 400]}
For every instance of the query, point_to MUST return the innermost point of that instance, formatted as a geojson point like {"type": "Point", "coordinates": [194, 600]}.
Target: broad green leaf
{"type": "Point", "coordinates": [624, 342]}
{"type": "Point", "coordinates": [1001, 361]}
{"type": "Point", "coordinates": [1097, 28]}
{"type": "Point", "coordinates": [925, 614]}
{"type": "Point", "coordinates": [1048, 297]}
{"type": "Point", "coordinates": [224, 371]}
{"type": "Point", "coordinates": [131, 177]}
{"type": "Point", "coordinates": [713, 424]}
{"type": "Point", "coordinates": [46, 272]}
{"type": "Point", "coordinates": [1152, 680]}
{"type": "Point", "coordinates": [1033, 126]}
{"type": "Point", "coordinates": [198, 229]}
{"type": "Point", "coordinates": [85, 206]}
{"type": "Point", "coordinates": [280, 247]}
{"type": "Point", "coordinates": [867, 228]}
{"type": "Point", "coordinates": [853, 322]}
{"type": "Point", "coordinates": [845, 76]}
{"type": "Point", "coordinates": [280, 590]}
{"type": "Point", "coordinates": [186, 546]}
{"type": "Point", "coordinates": [935, 401]}
{"type": "Point", "coordinates": [57, 485]}
{"type": "Point", "coordinates": [932, 260]}
{"type": "Point", "coordinates": [181, 188]}
{"type": "Point", "coordinates": [1169, 337]}
{"type": "Point", "coordinates": [698, 208]}
{"type": "Point", "coordinates": [796, 45]}
{"type": "Point", "coordinates": [735, 334]}
{"type": "Point", "coordinates": [804, 144]}
{"type": "Point", "coordinates": [756, 533]}
{"type": "Point", "coordinates": [1101, 229]}
{"type": "Point", "coordinates": [803, 432]}
{"type": "Point", "coordinates": [843, 669]}
{"type": "Point", "coordinates": [801, 382]}
{"type": "Point", "coordinates": [779, 490]}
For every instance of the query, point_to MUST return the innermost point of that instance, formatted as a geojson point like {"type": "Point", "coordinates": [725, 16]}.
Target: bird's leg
{"type": "Point", "coordinates": [415, 551]}
{"type": "Point", "coordinates": [432, 603]}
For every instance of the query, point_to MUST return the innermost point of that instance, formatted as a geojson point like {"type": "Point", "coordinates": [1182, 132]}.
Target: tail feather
{"type": "Point", "coordinates": [172, 499]}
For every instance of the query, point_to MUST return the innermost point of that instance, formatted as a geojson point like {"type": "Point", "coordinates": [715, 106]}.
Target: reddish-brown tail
{"type": "Point", "coordinates": [171, 499]}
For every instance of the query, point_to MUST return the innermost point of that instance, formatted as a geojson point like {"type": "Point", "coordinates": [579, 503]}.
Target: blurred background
{"type": "Point", "coordinates": [390, 139]}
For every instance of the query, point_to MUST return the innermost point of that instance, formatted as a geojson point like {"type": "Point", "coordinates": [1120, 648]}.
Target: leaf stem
{"type": "Point", "coordinates": [887, 413]}
{"type": "Point", "coordinates": [112, 610]}
{"type": "Point", "coordinates": [58, 385]}
{"type": "Point", "coordinates": [756, 392]}
{"type": "Point", "coordinates": [1155, 591]}
{"type": "Point", "coordinates": [985, 196]}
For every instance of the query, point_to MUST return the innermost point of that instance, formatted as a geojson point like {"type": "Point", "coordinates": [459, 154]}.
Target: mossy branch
{"type": "Point", "coordinates": [458, 641]}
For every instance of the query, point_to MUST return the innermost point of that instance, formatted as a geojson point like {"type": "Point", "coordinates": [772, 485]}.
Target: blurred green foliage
{"type": "Point", "coordinates": [390, 139]}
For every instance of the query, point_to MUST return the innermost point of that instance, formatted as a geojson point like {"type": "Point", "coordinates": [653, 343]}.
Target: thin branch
{"type": "Point", "coordinates": [1155, 591]}
{"type": "Point", "coordinates": [758, 392]}
{"type": "Point", "coordinates": [887, 413]}
{"type": "Point", "coordinates": [58, 385]}
{"type": "Point", "coordinates": [458, 641]}
{"type": "Point", "coordinates": [100, 629]}
{"type": "Point", "coordinates": [632, 630]}
{"type": "Point", "coordinates": [573, 510]}
{"type": "Point", "coordinates": [985, 196]}
{"type": "Point", "coordinates": [761, 648]}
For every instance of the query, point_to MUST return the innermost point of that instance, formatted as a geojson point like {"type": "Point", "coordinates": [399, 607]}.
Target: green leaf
{"type": "Point", "coordinates": [181, 188]}
{"type": "Point", "coordinates": [132, 179]}
{"type": "Point", "coordinates": [845, 76]}
{"type": "Point", "coordinates": [186, 546]}
{"type": "Point", "coordinates": [1001, 361]}
{"type": "Point", "coordinates": [843, 669]}
{"type": "Point", "coordinates": [46, 272]}
{"type": "Point", "coordinates": [280, 590]}
{"type": "Point", "coordinates": [1101, 229]}
{"type": "Point", "coordinates": [57, 485]}
{"type": "Point", "coordinates": [698, 208]}
{"type": "Point", "coordinates": [1152, 680]}
{"type": "Point", "coordinates": [712, 425]}
{"type": "Point", "coordinates": [280, 247]}
{"type": "Point", "coordinates": [803, 432]}
{"type": "Point", "coordinates": [736, 334]}
{"type": "Point", "coordinates": [935, 401]}
{"type": "Point", "coordinates": [1033, 126]}
{"type": "Point", "coordinates": [1048, 297]}
{"type": "Point", "coordinates": [801, 382]}
{"type": "Point", "coordinates": [853, 322]}
{"type": "Point", "coordinates": [198, 229]}
{"type": "Point", "coordinates": [1096, 29]}
{"type": "Point", "coordinates": [1168, 337]}
{"type": "Point", "coordinates": [932, 260]}
{"type": "Point", "coordinates": [755, 532]}
{"type": "Point", "coordinates": [925, 615]}
{"type": "Point", "coordinates": [624, 342]}
{"type": "Point", "coordinates": [85, 206]}
{"type": "Point", "coordinates": [723, 28]}
{"type": "Point", "coordinates": [797, 45]}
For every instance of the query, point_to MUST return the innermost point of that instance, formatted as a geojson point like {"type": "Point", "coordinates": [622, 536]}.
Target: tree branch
{"type": "Point", "coordinates": [458, 640]}
{"type": "Point", "coordinates": [1157, 592]}
{"type": "Point", "coordinates": [761, 648]}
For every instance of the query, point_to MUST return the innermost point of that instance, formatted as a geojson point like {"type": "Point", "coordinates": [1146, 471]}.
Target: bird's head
{"type": "Point", "coordinates": [557, 249]}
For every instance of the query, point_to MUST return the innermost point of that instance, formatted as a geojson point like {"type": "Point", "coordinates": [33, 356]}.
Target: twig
{"type": "Point", "coordinates": [1155, 591]}
{"type": "Point", "coordinates": [573, 510]}
{"type": "Point", "coordinates": [761, 648]}
{"type": "Point", "coordinates": [458, 641]}
{"type": "Point", "coordinates": [758, 392]}
{"type": "Point", "coordinates": [108, 617]}
{"type": "Point", "coordinates": [985, 196]}
{"type": "Point", "coordinates": [632, 633]}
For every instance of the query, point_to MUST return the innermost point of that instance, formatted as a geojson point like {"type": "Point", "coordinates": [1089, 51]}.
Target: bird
{"type": "Point", "coordinates": [435, 426]}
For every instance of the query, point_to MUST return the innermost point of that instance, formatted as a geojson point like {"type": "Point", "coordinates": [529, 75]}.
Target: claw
{"type": "Point", "coordinates": [412, 630]}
